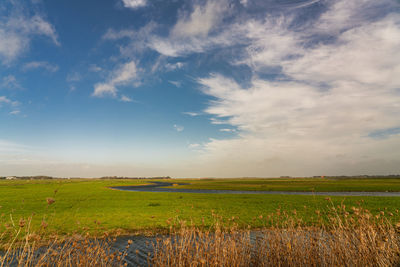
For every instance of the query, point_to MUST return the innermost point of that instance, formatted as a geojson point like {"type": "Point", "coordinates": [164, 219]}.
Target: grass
{"type": "Point", "coordinates": [90, 206]}
{"type": "Point", "coordinates": [296, 184]}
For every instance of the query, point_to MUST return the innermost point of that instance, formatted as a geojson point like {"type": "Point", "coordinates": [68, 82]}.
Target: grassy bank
{"type": "Point", "coordinates": [296, 184]}
{"type": "Point", "coordinates": [89, 205]}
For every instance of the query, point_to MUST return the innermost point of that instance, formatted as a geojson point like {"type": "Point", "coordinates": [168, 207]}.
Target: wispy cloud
{"type": "Point", "coordinates": [6, 100]}
{"type": "Point", "coordinates": [192, 114]}
{"type": "Point", "coordinates": [176, 83]}
{"type": "Point", "coordinates": [73, 77]}
{"type": "Point", "coordinates": [174, 66]}
{"type": "Point", "coordinates": [334, 95]}
{"type": "Point", "coordinates": [134, 4]}
{"type": "Point", "coordinates": [10, 82]}
{"type": "Point", "coordinates": [201, 20]}
{"type": "Point", "coordinates": [95, 68]}
{"type": "Point", "coordinates": [125, 74]}
{"type": "Point", "coordinates": [194, 146]}
{"type": "Point", "coordinates": [15, 112]}
{"type": "Point", "coordinates": [227, 130]}
{"type": "Point", "coordinates": [40, 65]}
{"type": "Point", "coordinates": [125, 98]}
{"type": "Point", "coordinates": [17, 29]}
{"type": "Point", "coordinates": [178, 128]}
{"type": "Point", "coordinates": [320, 87]}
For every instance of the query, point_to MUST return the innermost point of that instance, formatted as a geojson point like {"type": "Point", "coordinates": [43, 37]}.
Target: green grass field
{"type": "Point", "coordinates": [296, 184]}
{"type": "Point", "coordinates": [89, 205]}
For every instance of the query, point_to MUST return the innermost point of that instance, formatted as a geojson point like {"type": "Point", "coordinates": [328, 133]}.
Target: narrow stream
{"type": "Point", "coordinates": [162, 188]}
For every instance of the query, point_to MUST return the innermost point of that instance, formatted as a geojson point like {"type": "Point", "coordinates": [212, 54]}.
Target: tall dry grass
{"type": "Point", "coordinates": [23, 247]}
{"type": "Point", "coordinates": [343, 237]}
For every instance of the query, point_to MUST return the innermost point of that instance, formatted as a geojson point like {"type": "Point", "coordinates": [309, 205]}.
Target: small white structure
{"type": "Point", "coordinates": [11, 178]}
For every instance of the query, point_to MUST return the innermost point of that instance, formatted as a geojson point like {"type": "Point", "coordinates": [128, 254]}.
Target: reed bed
{"type": "Point", "coordinates": [342, 237]}
{"type": "Point", "coordinates": [26, 248]}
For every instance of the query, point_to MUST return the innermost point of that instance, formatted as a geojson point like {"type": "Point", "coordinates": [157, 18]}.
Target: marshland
{"type": "Point", "coordinates": [85, 222]}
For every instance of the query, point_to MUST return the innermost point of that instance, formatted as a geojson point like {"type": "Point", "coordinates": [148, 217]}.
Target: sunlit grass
{"type": "Point", "coordinates": [89, 205]}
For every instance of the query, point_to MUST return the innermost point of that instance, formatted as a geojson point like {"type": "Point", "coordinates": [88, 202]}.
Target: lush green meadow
{"type": "Point", "coordinates": [89, 205]}
{"type": "Point", "coordinates": [297, 184]}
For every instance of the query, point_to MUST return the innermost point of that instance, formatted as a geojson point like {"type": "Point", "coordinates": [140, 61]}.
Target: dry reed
{"type": "Point", "coordinates": [25, 248]}
{"type": "Point", "coordinates": [343, 237]}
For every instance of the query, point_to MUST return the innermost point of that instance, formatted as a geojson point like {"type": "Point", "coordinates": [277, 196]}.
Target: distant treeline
{"type": "Point", "coordinates": [42, 177]}
{"type": "Point", "coordinates": [38, 177]}
{"type": "Point", "coordinates": [360, 176]}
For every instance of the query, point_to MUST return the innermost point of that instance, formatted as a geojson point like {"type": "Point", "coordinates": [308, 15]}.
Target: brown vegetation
{"type": "Point", "coordinates": [344, 237]}
{"type": "Point", "coordinates": [25, 248]}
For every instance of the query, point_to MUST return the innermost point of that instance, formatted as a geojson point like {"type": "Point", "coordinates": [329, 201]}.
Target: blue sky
{"type": "Point", "coordinates": [199, 88]}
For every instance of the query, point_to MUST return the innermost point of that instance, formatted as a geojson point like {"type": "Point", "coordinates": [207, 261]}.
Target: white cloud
{"type": "Point", "coordinates": [227, 130]}
{"type": "Point", "coordinates": [201, 20]}
{"type": "Point", "coordinates": [40, 64]}
{"type": "Point", "coordinates": [319, 119]}
{"type": "Point", "coordinates": [192, 114]}
{"type": "Point", "coordinates": [173, 66]}
{"type": "Point", "coordinates": [244, 2]}
{"type": "Point", "coordinates": [15, 112]}
{"type": "Point", "coordinates": [10, 82]}
{"type": "Point", "coordinates": [125, 74]}
{"type": "Point", "coordinates": [73, 77]}
{"type": "Point", "coordinates": [95, 68]}
{"type": "Point", "coordinates": [17, 31]}
{"type": "Point", "coordinates": [6, 100]}
{"type": "Point", "coordinates": [352, 59]}
{"type": "Point", "coordinates": [179, 128]}
{"type": "Point", "coordinates": [176, 83]}
{"type": "Point", "coordinates": [125, 98]}
{"type": "Point", "coordinates": [336, 84]}
{"type": "Point", "coordinates": [194, 146]}
{"type": "Point", "coordinates": [343, 15]}
{"type": "Point", "coordinates": [197, 31]}
{"type": "Point", "coordinates": [102, 89]}
{"type": "Point", "coordinates": [134, 4]}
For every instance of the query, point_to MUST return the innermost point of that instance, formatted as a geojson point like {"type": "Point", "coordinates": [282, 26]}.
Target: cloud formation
{"type": "Point", "coordinates": [125, 98]}
{"type": "Point", "coordinates": [5, 101]}
{"type": "Point", "coordinates": [179, 128]}
{"type": "Point", "coordinates": [125, 74]}
{"type": "Point", "coordinates": [17, 30]}
{"type": "Point", "coordinates": [40, 65]}
{"type": "Point", "coordinates": [319, 117]}
{"type": "Point", "coordinates": [321, 88]}
{"type": "Point", "coordinates": [134, 4]}
{"type": "Point", "coordinates": [201, 20]}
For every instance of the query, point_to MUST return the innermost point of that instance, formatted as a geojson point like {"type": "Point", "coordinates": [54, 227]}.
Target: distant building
{"type": "Point", "coordinates": [11, 178]}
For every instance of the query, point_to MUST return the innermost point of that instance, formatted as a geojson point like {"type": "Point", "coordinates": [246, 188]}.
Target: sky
{"type": "Point", "coordinates": [199, 88]}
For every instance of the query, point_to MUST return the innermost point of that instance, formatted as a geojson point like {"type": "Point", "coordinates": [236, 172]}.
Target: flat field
{"type": "Point", "coordinates": [296, 184]}
{"type": "Point", "coordinates": [89, 205]}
